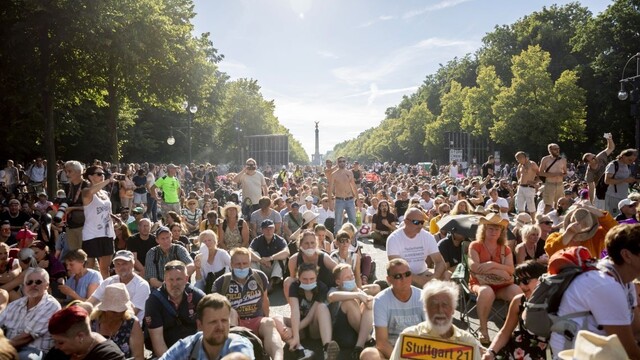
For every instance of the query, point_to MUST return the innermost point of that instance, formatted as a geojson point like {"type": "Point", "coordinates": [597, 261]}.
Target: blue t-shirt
{"type": "Point", "coordinates": [395, 315]}
{"type": "Point", "coordinates": [259, 245]}
{"type": "Point", "coordinates": [80, 286]}
{"type": "Point", "coordinates": [185, 348]}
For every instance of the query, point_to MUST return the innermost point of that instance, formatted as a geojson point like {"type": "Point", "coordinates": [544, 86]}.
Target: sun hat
{"type": "Point", "coordinates": [228, 206]}
{"type": "Point", "coordinates": [590, 346]}
{"type": "Point", "coordinates": [523, 219]}
{"type": "Point", "coordinates": [308, 216]}
{"type": "Point", "coordinates": [494, 219]}
{"type": "Point", "coordinates": [480, 210]}
{"type": "Point", "coordinates": [588, 224]}
{"type": "Point", "coordinates": [116, 298]}
{"type": "Point", "coordinates": [192, 201]}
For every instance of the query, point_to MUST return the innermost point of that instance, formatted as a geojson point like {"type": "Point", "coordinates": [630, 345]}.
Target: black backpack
{"type": "Point", "coordinates": [258, 348]}
{"type": "Point", "coordinates": [601, 186]}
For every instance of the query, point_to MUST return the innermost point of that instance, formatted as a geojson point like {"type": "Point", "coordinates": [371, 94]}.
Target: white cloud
{"type": "Point", "coordinates": [374, 72]}
{"type": "Point", "coordinates": [439, 6]}
{"type": "Point", "coordinates": [233, 68]}
{"type": "Point", "coordinates": [378, 19]}
{"type": "Point", "coordinates": [374, 92]}
{"type": "Point", "coordinates": [327, 54]}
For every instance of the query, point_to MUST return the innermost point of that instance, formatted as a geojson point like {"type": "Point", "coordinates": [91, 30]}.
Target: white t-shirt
{"type": "Point", "coordinates": [415, 250]}
{"type": "Point", "coordinates": [609, 301]}
{"type": "Point", "coordinates": [252, 186]}
{"type": "Point", "coordinates": [502, 202]}
{"type": "Point", "coordinates": [427, 205]}
{"type": "Point", "coordinates": [138, 289]}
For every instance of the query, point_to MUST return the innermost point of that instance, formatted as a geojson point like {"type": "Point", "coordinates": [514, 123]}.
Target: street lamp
{"type": "Point", "coordinates": [191, 110]}
{"type": "Point", "coordinates": [634, 96]}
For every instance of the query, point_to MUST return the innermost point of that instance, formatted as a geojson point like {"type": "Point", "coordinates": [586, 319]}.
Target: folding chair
{"type": "Point", "coordinates": [467, 302]}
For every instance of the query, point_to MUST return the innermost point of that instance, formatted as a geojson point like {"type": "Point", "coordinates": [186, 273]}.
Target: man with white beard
{"type": "Point", "coordinates": [440, 301]}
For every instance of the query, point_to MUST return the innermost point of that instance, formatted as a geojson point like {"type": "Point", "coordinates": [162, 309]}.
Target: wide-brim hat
{"type": "Point", "coordinates": [480, 210]}
{"type": "Point", "coordinates": [308, 216]}
{"type": "Point", "coordinates": [590, 346]}
{"type": "Point", "coordinates": [228, 206]}
{"type": "Point", "coordinates": [588, 224]}
{"type": "Point", "coordinates": [494, 219]}
{"type": "Point", "coordinates": [116, 298]}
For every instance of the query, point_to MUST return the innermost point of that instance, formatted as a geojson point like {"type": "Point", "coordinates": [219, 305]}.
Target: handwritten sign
{"type": "Point", "coordinates": [423, 348]}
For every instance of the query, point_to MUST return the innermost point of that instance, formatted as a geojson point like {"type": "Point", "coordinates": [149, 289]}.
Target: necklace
{"type": "Point", "coordinates": [82, 355]}
{"type": "Point", "coordinates": [491, 253]}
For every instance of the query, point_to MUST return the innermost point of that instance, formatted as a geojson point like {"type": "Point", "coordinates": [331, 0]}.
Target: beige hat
{"type": "Point", "coordinates": [590, 346]}
{"type": "Point", "coordinates": [308, 216]}
{"type": "Point", "coordinates": [480, 210]}
{"type": "Point", "coordinates": [228, 206]}
{"type": "Point", "coordinates": [588, 224]}
{"type": "Point", "coordinates": [494, 219]}
{"type": "Point", "coordinates": [116, 298]}
{"type": "Point", "coordinates": [522, 219]}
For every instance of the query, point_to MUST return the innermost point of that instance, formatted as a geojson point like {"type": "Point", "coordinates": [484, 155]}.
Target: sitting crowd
{"type": "Point", "coordinates": [175, 261]}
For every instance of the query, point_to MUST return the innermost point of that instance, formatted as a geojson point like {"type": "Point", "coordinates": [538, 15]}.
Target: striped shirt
{"type": "Point", "coordinates": [17, 319]}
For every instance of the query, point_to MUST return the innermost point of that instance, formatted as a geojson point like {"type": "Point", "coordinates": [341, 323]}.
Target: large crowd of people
{"type": "Point", "coordinates": [170, 261]}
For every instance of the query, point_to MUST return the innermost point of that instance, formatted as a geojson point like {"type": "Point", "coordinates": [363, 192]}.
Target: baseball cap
{"type": "Point", "coordinates": [308, 198]}
{"type": "Point", "coordinates": [125, 255]}
{"type": "Point", "coordinates": [267, 223]}
{"type": "Point", "coordinates": [625, 202]}
{"type": "Point", "coordinates": [138, 210]}
{"type": "Point", "coordinates": [295, 204]}
{"type": "Point", "coordinates": [162, 229]}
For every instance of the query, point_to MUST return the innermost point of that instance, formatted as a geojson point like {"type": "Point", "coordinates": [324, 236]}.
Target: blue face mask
{"type": "Point", "coordinates": [349, 285]}
{"type": "Point", "coordinates": [241, 273]}
{"type": "Point", "coordinates": [308, 287]}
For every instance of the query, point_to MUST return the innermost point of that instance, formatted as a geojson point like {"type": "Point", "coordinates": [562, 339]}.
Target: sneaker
{"type": "Point", "coordinates": [370, 343]}
{"type": "Point", "coordinates": [331, 350]}
{"type": "Point", "coordinates": [303, 354]}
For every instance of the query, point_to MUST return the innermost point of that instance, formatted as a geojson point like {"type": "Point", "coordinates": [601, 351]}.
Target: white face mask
{"type": "Point", "coordinates": [309, 252]}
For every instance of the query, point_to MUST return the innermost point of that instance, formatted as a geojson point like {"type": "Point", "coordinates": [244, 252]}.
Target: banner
{"type": "Point", "coordinates": [422, 348]}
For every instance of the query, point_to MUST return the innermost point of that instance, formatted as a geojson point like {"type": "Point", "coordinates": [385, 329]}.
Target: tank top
{"type": "Point", "coordinates": [97, 218]}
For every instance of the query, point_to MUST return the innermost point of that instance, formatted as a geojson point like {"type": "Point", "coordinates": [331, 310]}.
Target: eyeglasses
{"type": "Point", "coordinates": [99, 174]}
{"type": "Point", "coordinates": [524, 281]}
{"type": "Point", "coordinates": [174, 267]}
{"type": "Point", "coordinates": [37, 282]}
{"type": "Point", "coordinates": [416, 222]}
{"type": "Point", "coordinates": [401, 275]}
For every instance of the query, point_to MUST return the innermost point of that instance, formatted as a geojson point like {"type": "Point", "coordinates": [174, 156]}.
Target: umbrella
{"type": "Point", "coordinates": [465, 225]}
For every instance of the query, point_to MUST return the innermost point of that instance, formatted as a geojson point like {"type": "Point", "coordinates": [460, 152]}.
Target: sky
{"type": "Point", "coordinates": [344, 62]}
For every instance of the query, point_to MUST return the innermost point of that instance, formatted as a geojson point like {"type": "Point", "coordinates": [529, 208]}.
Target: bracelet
{"type": "Point", "coordinates": [493, 352]}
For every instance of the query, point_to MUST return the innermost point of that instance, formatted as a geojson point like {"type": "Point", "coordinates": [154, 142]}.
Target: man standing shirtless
{"type": "Point", "coordinates": [342, 189]}
{"type": "Point", "coordinates": [554, 168]}
{"type": "Point", "coordinates": [526, 174]}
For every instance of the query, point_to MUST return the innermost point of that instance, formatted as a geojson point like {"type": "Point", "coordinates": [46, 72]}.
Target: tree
{"type": "Point", "coordinates": [526, 112]}
{"type": "Point", "coordinates": [448, 120]}
{"type": "Point", "coordinates": [478, 115]}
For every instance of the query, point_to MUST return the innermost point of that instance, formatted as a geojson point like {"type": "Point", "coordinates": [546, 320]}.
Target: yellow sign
{"type": "Point", "coordinates": [423, 348]}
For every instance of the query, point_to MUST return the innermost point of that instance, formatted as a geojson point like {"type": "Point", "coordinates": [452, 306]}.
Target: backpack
{"type": "Point", "coordinates": [540, 315]}
{"type": "Point", "coordinates": [258, 349]}
{"type": "Point", "coordinates": [240, 225]}
{"type": "Point", "coordinates": [601, 186]}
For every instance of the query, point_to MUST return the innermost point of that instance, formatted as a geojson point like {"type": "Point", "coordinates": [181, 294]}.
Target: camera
{"type": "Point", "coordinates": [61, 211]}
{"type": "Point", "coordinates": [118, 177]}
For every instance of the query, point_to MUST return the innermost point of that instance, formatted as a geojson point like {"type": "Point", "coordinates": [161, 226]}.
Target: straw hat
{"type": "Point", "coordinates": [588, 224]}
{"type": "Point", "coordinates": [494, 219]}
{"type": "Point", "coordinates": [228, 206]}
{"type": "Point", "coordinates": [480, 210]}
{"type": "Point", "coordinates": [116, 298]}
{"type": "Point", "coordinates": [590, 346]}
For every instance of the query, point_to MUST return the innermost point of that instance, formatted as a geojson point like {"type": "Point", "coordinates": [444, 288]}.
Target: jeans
{"type": "Point", "coordinates": [341, 206]}
{"type": "Point", "coordinates": [152, 208]}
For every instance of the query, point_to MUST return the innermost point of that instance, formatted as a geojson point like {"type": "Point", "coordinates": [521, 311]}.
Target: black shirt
{"type": "Point", "coordinates": [136, 245]}
{"type": "Point", "coordinates": [401, 207]}
{"type": "Point", "coordinates": [451, 253]}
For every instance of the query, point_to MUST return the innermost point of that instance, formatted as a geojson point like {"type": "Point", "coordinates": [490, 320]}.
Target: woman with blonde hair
{"type": "Point", "coordinates": [491, 269]}
{"type": "Point", "coordinates": [211, 262]}
{"type": "Point", "coordinates": [461, 207]}
{"type": "Point", "coordinates": [532, 246]}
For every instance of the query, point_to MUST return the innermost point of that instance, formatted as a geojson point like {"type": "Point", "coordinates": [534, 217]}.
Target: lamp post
{"type": "Point", "coordinates": [634, 95]}
{"type": "Point", "coordinates": [191, 111]}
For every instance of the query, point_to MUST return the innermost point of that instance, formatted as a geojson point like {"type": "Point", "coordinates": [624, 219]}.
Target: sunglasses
{"type": "Point", "coordinates": [343, 240]}
{"type": "Point", "coordinates": [524, 281]}
{"type": "Point", "coordinates": [99, 173]}
{"type": "Point", "coordinates": [37, 282]}
{"type": "Point", "coordinates": [401, 275]}
{"type": "Point", "coordinates": [547, 222]}
{"type": "Point", "coordinates": [174, 267]}
{"type": "Point", "coordinates": [417, 222]}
